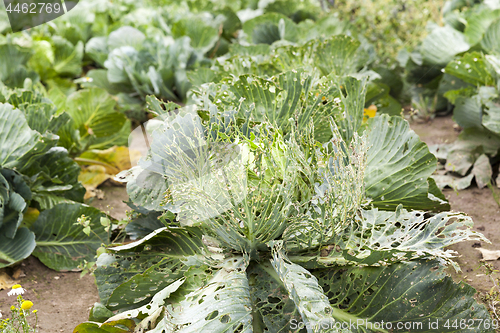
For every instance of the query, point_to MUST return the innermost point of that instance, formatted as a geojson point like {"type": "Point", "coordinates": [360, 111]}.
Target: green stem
{"type": "Point", "coordinates": [494, 193]}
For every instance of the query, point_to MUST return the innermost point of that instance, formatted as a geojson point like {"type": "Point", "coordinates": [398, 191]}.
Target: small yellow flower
{"type": "Point", "coordinates": [35, 311]}
{"type": "Point", "coordinates": [16, 290]}
{"type": "Point", "coordinates": [371, 111]}
{"type": "Point", "coordinates": [12, 308]}
{"type": "Point", "coordinates": [26, 305]}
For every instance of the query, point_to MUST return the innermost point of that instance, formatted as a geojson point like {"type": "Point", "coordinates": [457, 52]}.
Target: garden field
{"type": "Point", "coordinates": [249, 166]}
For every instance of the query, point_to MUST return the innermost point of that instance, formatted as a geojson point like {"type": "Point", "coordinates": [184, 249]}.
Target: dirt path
{"type": "Point", "coordinates": [63, 300]}
{"type": "Point", "coordinates": [477, 203]}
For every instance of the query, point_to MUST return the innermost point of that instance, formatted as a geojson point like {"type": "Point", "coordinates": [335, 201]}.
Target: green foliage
{"type": "Point", "coordinates": [36, 172]}
{"type": "Point", "coordinates": [266, 198]}
{"type": "Point", "coordinates": [390, 158]}
{"type": "Point", "coordinates": [470, 85]}
{"type": "Point", "coordinates": [268, 244]}
{"type": "Point", "coordinates": [61, 244]}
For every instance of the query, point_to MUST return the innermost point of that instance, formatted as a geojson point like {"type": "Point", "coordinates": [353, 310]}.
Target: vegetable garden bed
{"type": "Point", "coordinates": [273, 183]}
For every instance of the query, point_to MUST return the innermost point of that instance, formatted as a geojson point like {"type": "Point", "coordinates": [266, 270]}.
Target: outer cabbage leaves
{"type": "Point", "coordinates": [399, 167]}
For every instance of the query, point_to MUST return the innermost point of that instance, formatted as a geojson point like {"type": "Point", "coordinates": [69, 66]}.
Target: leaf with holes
{"type": "Point", "coordinates": [126, 280]}
{"type": "Point", "coordinates": [380, 237]}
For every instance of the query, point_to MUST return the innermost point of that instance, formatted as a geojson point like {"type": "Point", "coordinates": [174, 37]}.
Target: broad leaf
{"type": "Point", "coordinates": [417, 294]}
{"type": "Point", "coordinates": [339, 55]}
{"type": "Point", "coordinates": [303, 288]}
{"type": "Point", "coordinates": [491, 116]}
{"type": "Point", "coordinates": [399, 166]}
{"type": "Point", "coordinates": [14, 198]}
{"type": "Point", "coordinates": [16, 249]}
{"type": "Point", "coordinates": [203, 36]}
{"type": "Point", "coordinates": [468, 111]}
{"type": "Point", "coordinates": [482, 171]}
{"type": "Point", "coordinates": [471, 143]}
{"type": "Point", "coordinates": [478, 23]}
{"type": "Point", "coordinates": [126, 36]}
{"type": "Point", "coordinates": [97, 50]}
{"type": "Point", "coordinates": [269, 28]}
{"type": "Point", "coordinates": [16, 137]}
{"type": "Point", "coordinates": [93, 113]}
{"type": "Point", "coordinates": [119, 326]}
{"type": "Point", "coordinates": [491, 38]}
{"type": "Point", "coordinates": [127, 281]}
{"type": "Point", "coordinates": [223, 304]}
{"type": "Point", "coordinates": [13, 61]}
{"type": "Point", "coordinates": [442, 45]}
{"type": "Point", "coordinates": [145, 188]}
{"type": "Point", "coordinates": [61, 242]}
{"type": "Point", "coordinates": [54, 179]}
{"type": "Point", "coordinates": [470, 68]}
{"type": "Point", "coordinates": [379, 237]}
{"type": "Point", "coordinates": [456, 183]}
{"type": "Point", "coordinates": [153, 307]}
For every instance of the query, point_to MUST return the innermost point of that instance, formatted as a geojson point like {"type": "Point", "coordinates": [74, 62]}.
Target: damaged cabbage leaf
{"type": "Point", "coordinates": [255, 266]}
{"type": "Point", "coordinates": [399, 166]}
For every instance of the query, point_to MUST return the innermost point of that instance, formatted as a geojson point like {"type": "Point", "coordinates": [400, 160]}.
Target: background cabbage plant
{"type": "Point", "coordinates": [40, 195]}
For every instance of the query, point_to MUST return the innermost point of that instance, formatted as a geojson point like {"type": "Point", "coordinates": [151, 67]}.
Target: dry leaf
{"type": "Point", "coordinates": [6, 282]}
{"type": "Point", "coordinates": [18, 273]}
{"type": "Point", "coordinates": [101, 165]}
{"type": "Point", "coordinates": [489, 254]}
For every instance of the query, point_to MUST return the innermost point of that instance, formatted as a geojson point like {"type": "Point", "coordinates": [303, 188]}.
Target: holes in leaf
{"type": "Point", "coordinates": [438, 233]}
{"type": "Point", "coordinates": [273, 300]}
{"type": "Point", "coordinates": [368, 292]}
{"type": "Point", "coordinates": [212, 315]}
{"type": "Point", "coordinates": [225, 319]}
{"type": "Point", "coordinates": [405, 147]}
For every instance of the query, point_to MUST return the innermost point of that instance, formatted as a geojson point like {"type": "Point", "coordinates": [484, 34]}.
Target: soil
{"type": "Point", "coordinates": [477, 203]}
{"type": "Point", "coordinates": [64, 299]}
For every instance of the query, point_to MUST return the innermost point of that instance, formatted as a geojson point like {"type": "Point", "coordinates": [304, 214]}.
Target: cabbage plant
{"type": "Point", "coordinates": [254, 223]}
{"type": "Point", "coordinates": [40, 196]}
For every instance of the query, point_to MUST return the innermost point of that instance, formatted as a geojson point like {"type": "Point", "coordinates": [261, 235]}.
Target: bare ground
{"type": "Point", "coordinates": [477, 203]}
{"type": "Point", "coordinates": [64, 300]}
